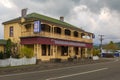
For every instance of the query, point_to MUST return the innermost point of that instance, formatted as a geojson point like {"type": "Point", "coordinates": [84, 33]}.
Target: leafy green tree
{"type": "Point", "coordinates": [8, 49]}
{"type": "Point", "coordinates": [1, 55]}
{"type": "Point", "coordinates": [111, 47]}
{"type": "Point", "coordinates": [96, 52]}
{"type": "Point", "coordinates": [15, 51]}
{"type": "Point", "coordinates": [25, 51]}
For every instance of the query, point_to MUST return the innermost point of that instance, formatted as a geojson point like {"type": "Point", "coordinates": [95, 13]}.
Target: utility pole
{"type": "Point", "coordinates": [101, 39]}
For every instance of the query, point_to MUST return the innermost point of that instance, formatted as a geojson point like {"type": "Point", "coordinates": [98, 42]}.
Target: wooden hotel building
{"type": "Point", "coordinates": [49, 38]}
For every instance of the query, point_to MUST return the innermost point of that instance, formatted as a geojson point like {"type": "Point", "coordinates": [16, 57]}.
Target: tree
{"type": "Point", "coordinates": [14, 50]}
{"type": "Point", "coordinates": [25, 51]}
{"type": "Point", "coordinates": [8, 48]}
{"type": "Point", "coordinates": [95, 52]}
{"type": "Point", "coordinates": [111, 47]}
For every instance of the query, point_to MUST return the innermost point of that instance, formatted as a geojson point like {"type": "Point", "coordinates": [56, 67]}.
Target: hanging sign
{"type": "Point", "coordinates": [37, 26]}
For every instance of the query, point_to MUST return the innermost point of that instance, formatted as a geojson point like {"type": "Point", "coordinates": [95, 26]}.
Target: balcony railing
{"type": "Point", "coordinates": [55, 35]}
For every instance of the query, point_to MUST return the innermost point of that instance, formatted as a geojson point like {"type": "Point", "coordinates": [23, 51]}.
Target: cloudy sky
{"type": "Point", "coordinates": [98, 16]}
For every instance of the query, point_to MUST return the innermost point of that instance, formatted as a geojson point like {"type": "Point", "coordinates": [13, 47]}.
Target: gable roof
{"type": "Point", "coordinates": [36, 16]}
{"type": "Point", "coordinates": [46, 18]}
{"type": "Point", "coordinates": [53, 20]}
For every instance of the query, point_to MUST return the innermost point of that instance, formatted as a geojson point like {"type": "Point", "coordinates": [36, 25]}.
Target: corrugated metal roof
{"type": "Point", "coordinates": [36, 16]}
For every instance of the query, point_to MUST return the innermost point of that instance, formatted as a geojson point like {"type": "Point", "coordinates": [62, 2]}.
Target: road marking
{"type": "Point", "coordinates": [8, 75]}
{"type": "Point", "coordinates": [42, 71]}
{"type": "Point", "coordinates": [77, 74]}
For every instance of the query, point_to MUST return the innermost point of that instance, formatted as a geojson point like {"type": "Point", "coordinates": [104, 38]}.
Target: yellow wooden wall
{"type": "Point", "coordinates": [1, 48]}
{"type": "Point", "coordinates": [16, 32]}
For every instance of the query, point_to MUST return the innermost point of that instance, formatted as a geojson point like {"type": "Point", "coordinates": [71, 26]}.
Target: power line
{"type": "Point", "coordinates": [112, 38]}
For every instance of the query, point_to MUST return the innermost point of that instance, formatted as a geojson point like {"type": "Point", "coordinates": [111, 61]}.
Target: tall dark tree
{"type": "Point", "coordinates": [8, 48]}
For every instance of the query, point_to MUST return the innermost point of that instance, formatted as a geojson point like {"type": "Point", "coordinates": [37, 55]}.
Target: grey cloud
{"type": "Point", "coordinates": [40, 1]}
{"type": "Point", "coordinates": [96, 5]}
{"type": "Point", "coordinates": [51, 7]}
{"type": "Point", "coordinates": [93, 5]}
{"type": "Point", "coordinates": [113, 4]}
{"type": "Point", "coordinates": [56, 8]}
{"type": "Point", "coordinates": [64, 7]}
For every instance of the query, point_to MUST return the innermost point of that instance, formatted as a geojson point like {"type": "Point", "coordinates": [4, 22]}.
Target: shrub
{"type": "Point", "coordinates": [96, 52]}
{"type": "Point", "coordinates": [27, 52]}
{"type": "Point", "coordinates": [1, 55]}
{"type": "Point", "coordinates": [6, 55]}
{"type": "Point", "coordinates": [21, 54]}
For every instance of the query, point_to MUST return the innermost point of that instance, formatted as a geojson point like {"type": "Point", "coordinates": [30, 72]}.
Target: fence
{"type": "Point", "coordinates": [17, 62]}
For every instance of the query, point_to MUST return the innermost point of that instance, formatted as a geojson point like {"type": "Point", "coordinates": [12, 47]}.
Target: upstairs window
{"type": "Point", "coordinates": [67, 32]}
{"type": "Point", "coordinates": [75, 34]}
{"type": "Point", "coordinates": [28, 27]}
{"type": "Point", "coordinates": [11, 31]}
{"type": "Point", "coordinates": [45, 27]}
{"type": "Point", "coordinates": [83, 35]}
{"type": "Point", "coordinates": [57, 30]}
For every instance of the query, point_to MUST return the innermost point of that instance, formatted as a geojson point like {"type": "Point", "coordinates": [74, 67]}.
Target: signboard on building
{"type": "Point", "coordinates": [37, 26]}
{"type": "Point", "coordinates": [70, 43]}
{"type": "Point", "coordinates": [59, 42]}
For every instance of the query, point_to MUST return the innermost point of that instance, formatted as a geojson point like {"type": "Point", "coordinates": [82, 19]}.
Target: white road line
{"type": "Point", "coordinates": [77, 74]}
{"type": "Point", "coordinates": [41, 71]}
{"type": "Point", "coordinates": [8, 75]}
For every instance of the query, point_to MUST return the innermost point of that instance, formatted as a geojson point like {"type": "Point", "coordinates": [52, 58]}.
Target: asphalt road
{"type": "Point", "coordinates": [97, 71]}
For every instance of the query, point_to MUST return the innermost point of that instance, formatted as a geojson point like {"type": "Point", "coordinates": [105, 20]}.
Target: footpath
{"type": "Point", "coordinates": [50, 65]}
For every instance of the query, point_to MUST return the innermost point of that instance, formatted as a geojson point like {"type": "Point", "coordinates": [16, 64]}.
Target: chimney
{"type": "Point", "coordinates": [24, 12]}
{"type": "Point", "coordinates": [61, 18]}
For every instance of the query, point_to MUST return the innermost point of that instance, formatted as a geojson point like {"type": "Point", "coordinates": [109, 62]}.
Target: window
{"type": "Point", "coordinates": [76, 50]}
{"type": "Point", "coordinates": [28, 27]}
{"type": "Point", "coordinates": [82, 35]}
{"type": "Point", "coordinates": [11, 31]}
{"type": "Point", "coordinates": [45, 27]}
{"type": "Point", "coordinates": [75, 34]}
{"type": "Point", "coordinates": [57, 30]}
{"type": "Point", "coordinates": [49, 50]}
{"type": "Point", "coordinates": [64, 50]}
{"type": "Point", "coordinates": [67, 32]}
{"type": "Point", "coordinates": [44, 50]}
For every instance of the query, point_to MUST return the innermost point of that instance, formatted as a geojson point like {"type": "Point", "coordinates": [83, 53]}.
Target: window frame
{"type": "Point", "coordinates": [11, 31]}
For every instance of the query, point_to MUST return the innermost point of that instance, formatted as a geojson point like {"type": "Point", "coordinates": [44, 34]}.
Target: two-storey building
{"type": "Point", "coordinates": [49, 38]}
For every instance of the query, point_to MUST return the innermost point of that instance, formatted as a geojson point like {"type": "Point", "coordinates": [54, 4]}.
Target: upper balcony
{"type": "Point", "coordinates": [58, 36]}
{"type": "Point", "coordinates": [59, 33]}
